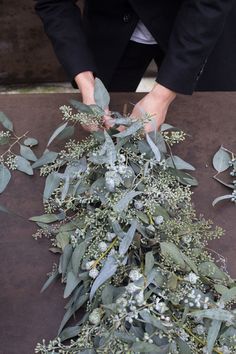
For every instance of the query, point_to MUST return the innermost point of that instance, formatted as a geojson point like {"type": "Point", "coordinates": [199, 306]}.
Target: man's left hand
{"type": "Point", "coordinates": [155, 103]}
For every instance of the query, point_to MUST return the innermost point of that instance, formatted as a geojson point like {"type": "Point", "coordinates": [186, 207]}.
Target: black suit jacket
{"type": "Point", "coordinates": [187, 30]}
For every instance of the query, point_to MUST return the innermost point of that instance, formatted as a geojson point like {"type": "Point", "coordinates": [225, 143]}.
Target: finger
{"type": "Point", "coordinates": [91, 128]}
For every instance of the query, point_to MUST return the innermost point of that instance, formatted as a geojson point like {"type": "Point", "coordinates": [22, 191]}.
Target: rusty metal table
{"type": "Point", "coordinates": [28, 316]}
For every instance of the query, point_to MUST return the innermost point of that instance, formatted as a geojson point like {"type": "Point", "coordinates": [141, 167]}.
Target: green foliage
{"type": "Point", "coordinates": [223, 160]}
{"type": "Point", "coordinates": [118, 210]}
{"type": "Point", "coordinates": [5, 176]}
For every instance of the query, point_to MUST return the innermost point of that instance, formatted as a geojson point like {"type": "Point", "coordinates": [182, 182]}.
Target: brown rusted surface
{"type": "Point", "coordinates": [28, 316]}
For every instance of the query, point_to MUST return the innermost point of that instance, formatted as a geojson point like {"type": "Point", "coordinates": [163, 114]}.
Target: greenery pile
{"type": "Point", "coordinates": [133, 253]}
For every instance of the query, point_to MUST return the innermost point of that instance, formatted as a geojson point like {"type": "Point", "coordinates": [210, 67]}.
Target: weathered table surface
{"type": "Point", "coordinates": [28, 316]}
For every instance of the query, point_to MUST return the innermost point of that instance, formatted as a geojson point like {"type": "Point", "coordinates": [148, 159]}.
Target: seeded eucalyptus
{"type": "Point", "coordinates": [131, 249]}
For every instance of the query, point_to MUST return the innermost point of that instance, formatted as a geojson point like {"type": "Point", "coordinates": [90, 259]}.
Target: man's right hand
{"type": "Point", "coordinates": [86, 82]}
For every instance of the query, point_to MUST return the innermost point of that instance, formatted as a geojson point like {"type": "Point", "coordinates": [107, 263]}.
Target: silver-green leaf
{"type": "Point", "coordinates": [106, 273]}
{"type": "Point", "coordinates": [31, 142]}
{"type": "Point", "coordinates": [57, 132]}
{"type": "Point", "coordinates": [176, 162]}
{"type": "Point", "coordinates": [23, 165]}
{"type": "Point", "coordinates": [221, 160]}
{"type": "Point", "coordinates": [154, 148]}
{"type": "Point", "coordinates": [47, 157]}
{"type": "Point", "coordinates": [125, 200]}
{"type": "Point", "coordinates": [101, 96]}
{"type": "Point", "coordinates": [27, 153]}
{"type": "Point", "coordinates": [219, 199]}
{"type": "Point", "coordinates": [6, 122]}
{"type": "Point", "coordinates": [212, 334]}
{"type": "Point", "coordinates": [128, 238]}
{"type": "Point", "coordinates": [71, 282]}
{"type": "Point", "coordinates": [52, 182]}
{"type": "Point", "coordinates": [5, 176]}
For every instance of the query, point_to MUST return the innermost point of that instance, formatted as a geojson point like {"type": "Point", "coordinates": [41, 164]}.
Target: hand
{"type": "Point", "coordinates": [156, 103]}
{"type": "Point", "coordinates": [85, 82]}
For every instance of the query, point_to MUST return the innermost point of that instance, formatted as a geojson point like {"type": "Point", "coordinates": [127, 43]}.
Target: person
{"type": "Point", "coordinates": [116, 40]}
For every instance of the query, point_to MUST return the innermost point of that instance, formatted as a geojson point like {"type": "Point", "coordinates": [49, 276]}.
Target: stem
{"type": "Point", "coordinates": [103, 255]}
{"type": "Point", "coordinates": [150, 218]}
{"type": "Point", "coordinates": [197, 339]}
{"type": "Point", "coordinates": [18, 138]}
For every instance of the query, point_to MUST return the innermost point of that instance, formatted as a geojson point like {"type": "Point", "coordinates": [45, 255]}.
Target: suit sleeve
{"type": "Point", "coordinates": [197, 27]}
{"type": "Point", "coordinates": [63, 25]}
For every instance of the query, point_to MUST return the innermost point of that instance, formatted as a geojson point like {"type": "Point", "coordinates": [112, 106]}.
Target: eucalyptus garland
{"type": "Point", "coordinates": [138, 275]}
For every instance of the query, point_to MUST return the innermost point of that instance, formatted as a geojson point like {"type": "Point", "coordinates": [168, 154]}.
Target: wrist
{"type": "Point", "coordinates": [163, 93]}
{"type": "Point", "coordinates": [85, 82]}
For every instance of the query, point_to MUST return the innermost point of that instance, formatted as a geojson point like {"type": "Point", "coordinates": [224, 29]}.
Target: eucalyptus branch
{"type": "Point", "coordinates": [15, 142]}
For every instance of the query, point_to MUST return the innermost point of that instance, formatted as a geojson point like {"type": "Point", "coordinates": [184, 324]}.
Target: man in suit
{"type": "Point", "coordinates": [116, 40]}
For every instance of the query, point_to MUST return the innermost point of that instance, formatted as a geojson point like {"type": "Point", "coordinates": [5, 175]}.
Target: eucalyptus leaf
{"type": "Point", "coordinates": [145, 347]}
{"type": "Point", "coordinates": [23, 165]}
{"type": "Point", "coordinates": [5, 176]}
{"type": "Point", "coordinates": [142, 216]}
{"type": "Point", "coordinates": [221, 160]}
{"type": "Point", "coordinates": [107, 294]}
{"type": "Point", "coordinates": [67, 132]}
{"type": "Point", "coordinates": [65, 188]}
{"type": "Point", "coordinates": [65, 258]}
{"type": "Point", "coordinates": [71, 282]}
{"type": "Point", "coordinates": [30, 142]}
{"type": "Point", "coordinates": [221, 289]}
{"type": "Point", "coordinates": [176, 162]}
{"type": "Point", "coordinates": [47, 157]}
{"type": "Point", "coordinates": [27, 153]}
{"type": "Point", "coordinates": [211, 270]}
{"type": "Point", "coordinates": [149, 262]}
{"type": "Point", "coordinates": [81, 107]}
{"type": "Point", "coordinates": [154, 148]}
{"type": "Point", "coordinates": [45, 218]}
{"type": "Point", "coordinates": [172, 281]}
{"type": "Point", "coordinates": [136, 126]}
{"type": "Point", "coordinates": [50, 280]}
{"type": "Point", "coordinates": [98, 111]}
{"type": "Point", "coordinates": [170, 250]}
{"type": "Point", "coordinates": [107, 271]}
{"type": "Point", "coordinates": [158, 210]}
{"type": "Point", "coordinates": [183, 177]}
{"type": "Point", "coordinates": [69, 313]}
{"type": "Point", "coordinates": [101, 96]}
{"type": "Point", "coordinates": [165, 127]}
{"type": "Point", "coordinates": [184, 348]}
{"type": "Point", "coordinates": [63, 239]}
{"type": "Point", "coordinates": [215, 314]}
{"type": "Point", "coordinates": [77, 256]}
{"type": "Point", "coordinates": [52, 182]}
{"type": "Point", "coordinates": [229, 295]}
{"type": "Point", "coordinates": [110, 149]}
{"type": "Point", "coordinates": [125, 200]}
{"type": "Point", "coordinates": [6, 122]}
{"type": "Point", "coordinates": [219, 199]}
{"type": "Point", "coordinates": [57, 132]}
{"type": "Point", "coordinates": [69, 333]}
{"type": "Point", "coordinates": [147, 317]}
{"type": "Point", "coordinates": [158, 140]}
{"type": "Point", "coordinates": [128, 238]}
{"type": "Point", "coordinates": [212, 334]}
{"type": "Point", "coordinates": [123, 121]}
